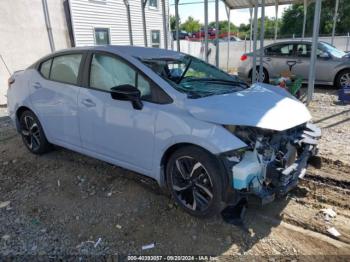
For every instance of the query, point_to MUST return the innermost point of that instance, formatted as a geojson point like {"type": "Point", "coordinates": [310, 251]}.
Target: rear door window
{"type": "Point", "coordinates": [280, 50]}
{"type": "Point", "coordinates": [45, 68]}
{"type": "Point", "coordinates": [65, 68]}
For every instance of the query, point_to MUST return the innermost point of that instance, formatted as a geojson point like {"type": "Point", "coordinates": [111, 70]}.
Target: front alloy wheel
{"type": "Point", "coordinates": [194, 181]}
{"type": "Point", "coordinates": [345, 79]}
{"type": "Point", "coordinates": [192, 184]}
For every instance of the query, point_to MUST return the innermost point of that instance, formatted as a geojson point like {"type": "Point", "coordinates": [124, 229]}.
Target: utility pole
{"type": "Point", "coordinates": [127, 5]}
{"type": "Point", "coordinates": [48, 25]}
{"type": "Point", "coordinates": [143, 6]}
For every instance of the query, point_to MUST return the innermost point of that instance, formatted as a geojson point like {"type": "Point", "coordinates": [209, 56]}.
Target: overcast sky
{"type": "Point", "coordinates": [237, 16]}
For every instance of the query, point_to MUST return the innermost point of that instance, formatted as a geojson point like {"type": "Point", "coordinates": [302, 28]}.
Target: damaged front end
{"type": "Point", "coordinates": [273, 161]}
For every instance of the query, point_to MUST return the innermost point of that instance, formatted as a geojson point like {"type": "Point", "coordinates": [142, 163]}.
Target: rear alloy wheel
{"type": "Point", "coordinates": [194, 181]}
{"type": "Point", "coordinates": [265, 76]}
{"type": "Point", "coordinates": [343, 79]}
{"type": "Point", "coordinates": [32, 133]}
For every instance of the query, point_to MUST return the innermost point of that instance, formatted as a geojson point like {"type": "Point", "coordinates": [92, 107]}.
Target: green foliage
{"type": "Point", "coordinates": [191, 25]}
{"type": "Point", "coordinates": [223, 26]}
{"type": "Point", "coordinates": [173, 22]}
{"type": "Point", "coordinates": [290, 23]}
{"type": "Point", "coordinates": [292, 19]}
{"type": "Point", "coordinates": [244, 28]}
{"type": "Point", "coordinates": [269, 26]}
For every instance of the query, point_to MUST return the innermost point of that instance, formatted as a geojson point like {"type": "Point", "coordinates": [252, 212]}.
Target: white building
{"type": "Point", "coordinates": [29, 30]}
{"type": "Point", "coordinates": [106, 22]}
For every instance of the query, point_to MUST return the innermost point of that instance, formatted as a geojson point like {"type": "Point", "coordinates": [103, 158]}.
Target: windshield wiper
{"type": "Point", "coordinates": [216, 80]}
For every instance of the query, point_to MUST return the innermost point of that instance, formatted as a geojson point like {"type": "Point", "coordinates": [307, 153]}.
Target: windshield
{"type": "Point", "coordinates": [195, 77]}
{"type": "Point", "coordinates": [334, 51]}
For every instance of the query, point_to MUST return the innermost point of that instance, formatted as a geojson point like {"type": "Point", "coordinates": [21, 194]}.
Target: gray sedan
{"type": "Point", "coordinates": [332, 66]}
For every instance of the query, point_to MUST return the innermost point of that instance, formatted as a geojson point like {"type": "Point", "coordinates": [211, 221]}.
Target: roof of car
{"type": "Point", "coordinates": [134, 51]}
{"type": "Point", "coordinates": [292, 41]}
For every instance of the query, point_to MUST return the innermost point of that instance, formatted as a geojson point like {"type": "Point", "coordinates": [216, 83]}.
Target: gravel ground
{"type": "Point", "coordinates": [334, 119]}
{"type": "Point", "coordinates": [64, 203]}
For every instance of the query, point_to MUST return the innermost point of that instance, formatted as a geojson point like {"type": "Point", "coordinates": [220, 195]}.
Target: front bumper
{"type": "Point", "coordinates": [278, 181]}
{"type": "Point", "coordinates": [284, 180]}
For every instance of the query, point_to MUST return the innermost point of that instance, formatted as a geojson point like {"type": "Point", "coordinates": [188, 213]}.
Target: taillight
{"type": "Point", "coordinates": [244, 57]}
{"type": "Point", "coordinates": [10, 81]}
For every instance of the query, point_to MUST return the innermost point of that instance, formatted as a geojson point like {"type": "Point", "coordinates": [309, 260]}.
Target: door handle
{"type": "Point", "coordinates": [37, 85]}
{"type": "Point", "coordinates": [267, 59]}
{"type": "Point", "coordinates": [88, 102]}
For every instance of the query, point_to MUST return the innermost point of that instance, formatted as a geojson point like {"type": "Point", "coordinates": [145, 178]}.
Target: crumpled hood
{"type": "Point", "coordinates": [261, 105]}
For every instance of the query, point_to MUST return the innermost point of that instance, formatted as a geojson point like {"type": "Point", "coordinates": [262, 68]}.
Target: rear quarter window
{"type": "Point", "coordinates": [45, 68]}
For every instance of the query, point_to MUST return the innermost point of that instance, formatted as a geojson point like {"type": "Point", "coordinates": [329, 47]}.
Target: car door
{"type": "Point", "coordinates": [324, 72]}
{"type": "Point", "coordinates": [113, 128]}
{"type": "Point", "coordinates": [277, 57]}
{"type": "Point", "coordinates": [54, 93]}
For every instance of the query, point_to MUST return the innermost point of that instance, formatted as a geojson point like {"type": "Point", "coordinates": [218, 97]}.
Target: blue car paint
{"type": "Point", "coordinates": [56, 106]}
{"type": "Point", "coordinates": [113, 131]}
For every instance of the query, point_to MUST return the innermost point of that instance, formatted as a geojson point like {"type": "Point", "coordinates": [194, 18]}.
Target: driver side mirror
{"type": "Point", "coordinates": [127, 93]}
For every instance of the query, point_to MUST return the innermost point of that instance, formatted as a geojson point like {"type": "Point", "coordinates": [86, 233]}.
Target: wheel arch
{"type": "Point", "coordinates": [19, 112]}
{"type": "Point", "coordinates": [338, 73]}
{"type": "Point", "coordinates": [170, 150]}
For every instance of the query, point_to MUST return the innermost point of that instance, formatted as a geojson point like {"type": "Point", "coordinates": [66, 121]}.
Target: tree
{"type": "Point", "coordinates": [191, 25]}
{"type": "Point", "coordinates": [173, 22]}
{"type": "Point", "coordinates": [269, 29]}
{"type": "Point", "coordinates": [223, 26]}
{"type": "Point", "coordinates": [292, 18]}
{"type": "Point", "coordinates": [244, 29]}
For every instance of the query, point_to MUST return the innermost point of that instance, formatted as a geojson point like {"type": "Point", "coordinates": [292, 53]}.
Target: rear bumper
{"type": "Point", "coordinates": [243, 73]}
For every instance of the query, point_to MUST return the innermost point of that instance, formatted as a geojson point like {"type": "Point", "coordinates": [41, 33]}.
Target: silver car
{"type": "Point", "coordinates": [332, 66]}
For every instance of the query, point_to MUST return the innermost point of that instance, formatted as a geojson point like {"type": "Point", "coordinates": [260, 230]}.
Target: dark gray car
{"type": "Point", "coordinates": [332, 66]}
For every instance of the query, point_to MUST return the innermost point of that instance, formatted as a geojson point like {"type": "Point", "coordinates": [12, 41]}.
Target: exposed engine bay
{"type": "Point", "coordinates": [273, 161]}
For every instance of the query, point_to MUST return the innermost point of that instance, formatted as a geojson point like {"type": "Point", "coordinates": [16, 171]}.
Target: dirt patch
{"type": "Point", "coordinates": [64, 203]}
{"type": "Point", "coordinates": [334, 119]}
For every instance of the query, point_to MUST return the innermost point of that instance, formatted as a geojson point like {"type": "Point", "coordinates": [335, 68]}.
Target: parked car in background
{"type": "Point", "coordinates": [201, 34]}
{"type": "Point", "coordinates": [182, 35]}
{"type": "Point", "coordinates": [232, 39]}
{"type": "Point", "coordinates": [203, 134]}
{"type": "Point", "coordinates": [332, 65]}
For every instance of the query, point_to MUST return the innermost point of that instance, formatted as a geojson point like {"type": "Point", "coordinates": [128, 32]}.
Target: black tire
{"type": "Point", "coordinates": [32, 133]}
{"type": "Point", "coordinates": [342, 74]}
{"type": "Point", "coordinates": [205, 179]}
{"type": "Point", "coordinates": [266, 75]}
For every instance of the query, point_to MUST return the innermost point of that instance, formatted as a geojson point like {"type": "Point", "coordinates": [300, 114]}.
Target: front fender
{"type": "Point", "coordinates": [172, 129]}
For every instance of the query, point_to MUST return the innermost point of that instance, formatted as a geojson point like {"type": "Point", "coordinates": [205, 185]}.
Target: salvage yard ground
{"type": "Point", "coordinates": [63, 203]}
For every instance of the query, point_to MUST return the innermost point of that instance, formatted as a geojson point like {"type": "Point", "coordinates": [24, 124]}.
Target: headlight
{"type": "Point", "coordinates": [247, 134]}
{"type": "Point", "coordinates": [236, 155]}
